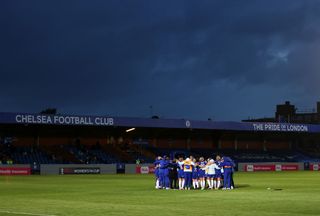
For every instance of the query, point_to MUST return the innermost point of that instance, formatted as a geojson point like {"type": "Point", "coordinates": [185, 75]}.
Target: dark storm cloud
{"type": "Point", "coordinates": [187, 59]}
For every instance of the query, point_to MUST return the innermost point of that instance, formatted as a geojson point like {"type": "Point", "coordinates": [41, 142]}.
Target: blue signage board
{"type": "Point", "coordinates": [107, 121]}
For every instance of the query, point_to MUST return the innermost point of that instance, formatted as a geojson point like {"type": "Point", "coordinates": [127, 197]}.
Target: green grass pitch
{"type": "Point", "coordinates": [135, 195]}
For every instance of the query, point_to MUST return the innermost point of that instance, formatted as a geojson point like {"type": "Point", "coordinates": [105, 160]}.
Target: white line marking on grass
{"type": "Point", "coordinates": [24, 213]}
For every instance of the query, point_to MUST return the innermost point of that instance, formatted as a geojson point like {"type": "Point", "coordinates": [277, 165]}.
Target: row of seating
{"type": "Point", "coordinates": [24, 155]}
{"type": "Point", "coordinates": [89, 155]}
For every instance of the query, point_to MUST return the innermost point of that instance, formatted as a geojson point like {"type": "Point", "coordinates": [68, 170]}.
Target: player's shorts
{"type": "Point", "coordinates": [201, 173]}
{"type": "Point", "coordinates": [218, 175]}
{"type": "Point", "coordinates": [195, 175]}
{"type": "Point", "coordinates": [210, 175]}
{"type": "Point", "coordinates": [180, 174]}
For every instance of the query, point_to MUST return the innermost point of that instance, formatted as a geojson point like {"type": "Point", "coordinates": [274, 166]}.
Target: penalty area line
{"type": "Point", "coordinates": [24, 213]}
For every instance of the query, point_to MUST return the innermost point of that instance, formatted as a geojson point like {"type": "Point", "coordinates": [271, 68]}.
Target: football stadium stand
{"type": "Point", "coordinates": [61, 139]}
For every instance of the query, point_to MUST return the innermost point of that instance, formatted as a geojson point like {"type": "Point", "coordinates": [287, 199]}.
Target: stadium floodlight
{"type": "Point", "coordinates": [131, 129]}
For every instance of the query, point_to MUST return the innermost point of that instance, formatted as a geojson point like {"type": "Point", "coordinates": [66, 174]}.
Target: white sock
{"type": "Point", "coordinates": [182, 184]}
{"type": "Point", "coordinates": [203, 184]}
{"type": "Point", "coordinates": [209, 183]}
{"type": "Point", "coordinates": [218, 184]}
{"type": "Point", "coordinates": [157, 183]}
{"type": "Point", "coordinates": [194, 184]}
{"type": "Point", "coordinates": [197, 184]}
{"type": "Point", "coordinates": [215, 183]}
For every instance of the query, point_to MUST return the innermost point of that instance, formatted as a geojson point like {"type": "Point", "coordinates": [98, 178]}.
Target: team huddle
{"type": "Point", "coordinates": [192, 173]}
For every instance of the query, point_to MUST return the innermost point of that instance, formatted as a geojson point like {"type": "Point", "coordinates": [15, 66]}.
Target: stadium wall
{"type": "Point", "coordinates": [314, 166]}
{"type": "Point", "coordinates": [139, 169]}
{"type": "Point", "coordinates": [130, 168]}
{"type": "Point", "coordinates": [270, 166]}
{"type": "Point", "coordinates": [18, 169]}
{"type": "Point", "coordinates": [55, 169]}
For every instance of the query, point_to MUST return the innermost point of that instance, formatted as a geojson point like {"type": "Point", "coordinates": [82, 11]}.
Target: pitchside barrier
{"type": "Point", "coordinates": [74, 169]}
{"type": "Point", "coordinates": [66, 169]}
{"type": "Point", "coordinates": [247, 167]}
{"type": "Point", "coordinates": [314, 166]}
{"type": "Point", "coordinates": [143, 169]}
{"type": "Point", "coordinates": [19, 169]}
{"type": "Point", "coordinates": [270, 166]}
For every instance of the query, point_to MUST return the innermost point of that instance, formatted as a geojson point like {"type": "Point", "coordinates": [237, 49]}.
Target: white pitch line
{"type": "Point", "coordinates": [24, 213]}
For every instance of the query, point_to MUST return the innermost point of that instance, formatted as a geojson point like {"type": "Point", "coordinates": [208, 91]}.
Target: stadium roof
{"type": "Point", "coordinates": [107, 121]}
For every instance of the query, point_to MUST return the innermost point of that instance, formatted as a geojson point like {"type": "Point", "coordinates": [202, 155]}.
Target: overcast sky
{"type": "Point", "coordinates": [225, 60]}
